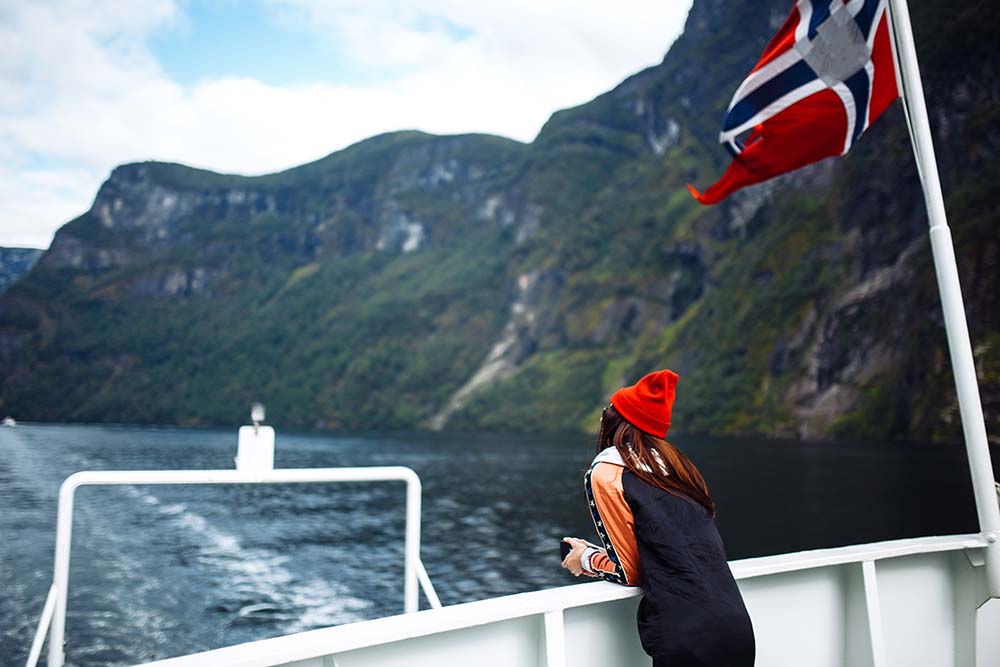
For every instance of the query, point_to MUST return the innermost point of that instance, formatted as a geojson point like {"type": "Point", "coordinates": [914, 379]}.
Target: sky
{"type": "Point", "coordinates": [256, 86]}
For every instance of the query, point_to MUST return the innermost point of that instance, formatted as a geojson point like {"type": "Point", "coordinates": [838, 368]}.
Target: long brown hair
{"type": "Point", "coordinates": [653, 460]}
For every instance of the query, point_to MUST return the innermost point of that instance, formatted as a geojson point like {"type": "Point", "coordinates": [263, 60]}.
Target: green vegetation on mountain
{"type": "Point", "coordinates": [473, 282]}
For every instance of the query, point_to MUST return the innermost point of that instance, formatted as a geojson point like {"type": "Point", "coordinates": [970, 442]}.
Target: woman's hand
{"type": "Point", "coordinates": [572, 560]}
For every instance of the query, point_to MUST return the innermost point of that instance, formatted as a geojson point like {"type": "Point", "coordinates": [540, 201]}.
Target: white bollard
{"type": "Point", "coordinates": [255, 451]}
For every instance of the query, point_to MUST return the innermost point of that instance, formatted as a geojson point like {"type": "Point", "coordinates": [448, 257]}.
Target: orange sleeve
{"type": "Point", "coordinates": [619, 562]}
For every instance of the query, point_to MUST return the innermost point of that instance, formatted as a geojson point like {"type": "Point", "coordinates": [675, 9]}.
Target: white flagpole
{"type": "Point", "coordinates": [956, 327]}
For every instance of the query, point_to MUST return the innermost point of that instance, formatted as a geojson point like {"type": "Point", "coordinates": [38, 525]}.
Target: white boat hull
{"type": "Point", "coordinates": [917, 602]}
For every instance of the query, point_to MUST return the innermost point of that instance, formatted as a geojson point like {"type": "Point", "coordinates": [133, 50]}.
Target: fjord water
{"type": "Point", "coordinates": [163, 571]}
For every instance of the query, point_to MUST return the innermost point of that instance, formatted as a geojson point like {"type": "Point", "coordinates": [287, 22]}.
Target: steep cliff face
{"type": "Point", "coordinates": [183, 294]}
{"type": "Point", "coordinates": [838, 310]}
{"type": "Point", "coordinates": [475, 282]}
{"type": "Point", "coordinates": [379, 195]}
{"type": "Point", "coordinates": [806, 306]}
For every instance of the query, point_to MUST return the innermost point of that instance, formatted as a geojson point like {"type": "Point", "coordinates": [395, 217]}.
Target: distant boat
{"type": "Point", "coordinates": [9, 421]}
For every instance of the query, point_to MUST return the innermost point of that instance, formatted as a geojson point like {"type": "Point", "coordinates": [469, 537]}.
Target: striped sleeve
{"type": "Point", "coordinates": [619, 562]}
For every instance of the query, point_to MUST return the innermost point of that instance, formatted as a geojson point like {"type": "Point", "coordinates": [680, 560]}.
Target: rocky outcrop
{"type": "Point", "coordinates": [530, 318]}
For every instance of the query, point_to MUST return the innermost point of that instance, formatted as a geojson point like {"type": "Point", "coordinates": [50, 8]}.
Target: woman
{"type": "Point", "coordinates": [652, 510]}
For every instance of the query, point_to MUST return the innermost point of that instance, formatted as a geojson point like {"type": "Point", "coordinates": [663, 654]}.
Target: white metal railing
{"type": "Point", "coordinates": [782, 592]}
{"type": "Point", "coordinates": [254, 466]}
{"type": "Point", "coordinates": [43, 627]}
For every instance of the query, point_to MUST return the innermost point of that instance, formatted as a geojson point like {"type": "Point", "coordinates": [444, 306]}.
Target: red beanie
{"type": "Point", "coordinates": [647, 404]}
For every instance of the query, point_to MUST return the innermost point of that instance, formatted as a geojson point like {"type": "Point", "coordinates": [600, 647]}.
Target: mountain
{"type": "Point", "coordinates": [474, 282]}
{"type": "Point", "coordinates": [14, 263]}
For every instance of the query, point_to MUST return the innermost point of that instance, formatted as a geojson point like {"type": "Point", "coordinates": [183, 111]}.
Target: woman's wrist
{"type": "Point", "coordinates": [585, 557]}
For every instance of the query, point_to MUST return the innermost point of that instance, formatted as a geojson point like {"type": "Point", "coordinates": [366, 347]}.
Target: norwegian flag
{"type": "Point", "coordinates": [822, 80]}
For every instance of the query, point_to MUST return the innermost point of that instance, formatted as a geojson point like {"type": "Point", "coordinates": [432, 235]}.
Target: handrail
{"type": "Point", "coordinates": [415, 576]}
{"type": "Point", "coordinates": [425, 583]}
{"type": "Point", "coordinates": [43, 628]}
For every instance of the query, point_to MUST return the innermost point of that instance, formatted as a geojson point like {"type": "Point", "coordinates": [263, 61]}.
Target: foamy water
{"type": "Point", "coordinates": [257, 573]}
{"type": "Point", "coordinates": [159, 571]}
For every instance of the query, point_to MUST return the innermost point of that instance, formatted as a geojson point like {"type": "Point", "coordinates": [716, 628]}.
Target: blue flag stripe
{"type": "Point", "coordinates": [821, 10]}
{"type": "Point", "coordinates": [866, 16]}
{"type": "Point", "coordinates": [859, 84]}
{"type": "Point", "coordinates": [795, 76]}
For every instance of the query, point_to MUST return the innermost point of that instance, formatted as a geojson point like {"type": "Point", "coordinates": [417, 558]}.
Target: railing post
{"type": "Point", "coordinates": [555, 639]}
{"type": "Point", "coordinates": [411, 600]}
{"type": "Point", "coordinates": [60, 577]}
{"type": "Point", "coordinates": [873, 606]}
{"type": "Point", "coordinates": [428, 587]}
{"type": "Point", "coordinates": [43, 627]}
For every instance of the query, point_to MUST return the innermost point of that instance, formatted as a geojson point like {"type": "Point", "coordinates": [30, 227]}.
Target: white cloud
{"type": "Point", "coordinates": [80, 92]}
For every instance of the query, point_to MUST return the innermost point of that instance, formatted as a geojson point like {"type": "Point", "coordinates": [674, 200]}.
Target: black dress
{"type": "Point", "coordinates": [692, 613]}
